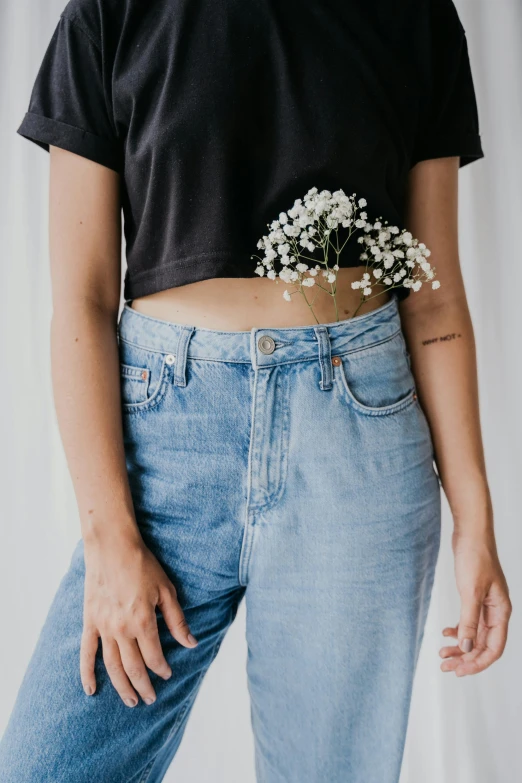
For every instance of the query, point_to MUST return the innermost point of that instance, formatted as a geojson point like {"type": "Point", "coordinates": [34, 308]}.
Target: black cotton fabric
{"type": "Point", "coordinates": [218, 114]}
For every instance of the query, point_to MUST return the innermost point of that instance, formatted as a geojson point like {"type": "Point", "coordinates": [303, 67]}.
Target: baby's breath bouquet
{"type": "Point", "coordinates": [392, 257]}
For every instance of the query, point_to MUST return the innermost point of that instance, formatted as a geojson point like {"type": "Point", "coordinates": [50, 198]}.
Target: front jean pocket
{"type": "Point", "coordinates": [134, 383]}
{"type": "Point", "coordinates": [377, 380]}
{"type": "Point", "coordinates": [143, 376]}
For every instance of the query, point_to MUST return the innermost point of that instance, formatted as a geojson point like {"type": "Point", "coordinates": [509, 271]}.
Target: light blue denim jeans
{"type": "Point", "coordinates": [292, 467]}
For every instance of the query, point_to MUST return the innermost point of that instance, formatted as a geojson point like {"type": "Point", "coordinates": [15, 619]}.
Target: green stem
{"type": "Point", "coordinates": [307, 302]}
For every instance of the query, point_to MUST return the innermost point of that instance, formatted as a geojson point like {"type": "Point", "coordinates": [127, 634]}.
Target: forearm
{"type": "Point", "coordinates": [85, 374]}
{"type": "Point", "coordinates": [442, 349]}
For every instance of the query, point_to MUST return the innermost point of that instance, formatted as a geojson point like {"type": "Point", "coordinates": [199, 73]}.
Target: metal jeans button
{"type": "Point", "coordinates": [266, 344]}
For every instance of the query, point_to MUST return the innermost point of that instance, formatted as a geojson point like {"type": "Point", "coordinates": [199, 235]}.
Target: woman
{"type": "Point", "coordinates": [224, 442]}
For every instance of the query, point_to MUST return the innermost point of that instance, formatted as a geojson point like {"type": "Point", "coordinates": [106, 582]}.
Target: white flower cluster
{"type": "Point", "coordinates": [313, 223]}
{"type": "Point", "coordinates": [396, 259]}
{"type": "Point", "coordinates": [306, 225]}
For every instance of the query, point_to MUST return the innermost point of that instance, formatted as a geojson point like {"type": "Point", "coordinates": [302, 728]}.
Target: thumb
{"type": "Point", "coordinates": [471, 608]}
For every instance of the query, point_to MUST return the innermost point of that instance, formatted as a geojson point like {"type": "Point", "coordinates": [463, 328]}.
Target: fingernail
{"type": "Point", "coordinates": [467, 645]}
{"type": "Point", "coordinates": [149, 700]}
{"type": "Point", "coordinates": [130, 702]}
{"type": "Point", "coordinates": [191, 639]}
{"type": "Point", "coordinates": [166, 676]}
{"type": "Point", "coordinates": [89, 690]}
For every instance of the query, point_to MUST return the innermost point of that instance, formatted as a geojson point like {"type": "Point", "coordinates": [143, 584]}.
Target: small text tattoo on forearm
{"type": "Point", "coordinates": [444, 338]}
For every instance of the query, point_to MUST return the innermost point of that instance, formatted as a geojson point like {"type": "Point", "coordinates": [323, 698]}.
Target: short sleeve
{"type": "Point", "coordinates": [449, 124]}
{"type": "Point", "coordinates": [68, 106]}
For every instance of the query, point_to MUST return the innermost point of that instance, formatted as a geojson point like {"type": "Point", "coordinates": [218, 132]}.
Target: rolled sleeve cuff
{"type": "Point", "coordinates": [468, 147]}
{"type": "Point", "coordinates": [45, 131]}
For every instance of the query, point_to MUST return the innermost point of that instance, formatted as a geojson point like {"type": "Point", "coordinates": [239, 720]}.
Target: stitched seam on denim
{"type": "Point", "coordinates": [194, 358]}
{"type": "Point", "coordinates": [396, 408]}
{"type": "Point", "coordinates": [325, 358]}
{"type": "Point", "coordinates": [429, 578]}
{"type": "Point", "coordinates": [183, 712]}
{"type": "Point", "coordinates": [130, 374]}
{"type": "Point", "coordinates": [247, 361]}
{"type": "Point", "coordinates": [371, 345]}
{"type": "Point", "coordinates": [151, 402]}
{"type": "Point", "coordinates": [369, 411]}
{"type": "Point", "coordinates": [246, 544]}
{"type": "Point", "coordinates": [146, 405]}
{"type": "Point", "coordinates": [132, 371]}
{"type": "Point", "coordinates": [275, 498]}
{"type": "Point", "coordinates": [216, 358]}
{"type": "Point", "coordinates": [180, 365]}
{"type": "Point", "coordinates": [321, 358]}
{"type": "Point", "coordinates": [345, 390]}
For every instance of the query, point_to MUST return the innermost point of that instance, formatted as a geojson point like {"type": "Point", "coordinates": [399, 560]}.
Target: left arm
{"type": "Point", "coordinates": [439, 333]}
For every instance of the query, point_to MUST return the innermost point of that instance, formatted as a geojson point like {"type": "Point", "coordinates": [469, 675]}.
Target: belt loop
{"type": "Point", "coordinates": [325, 356]}
{"type": "Point", "coordinates": [185, 333]}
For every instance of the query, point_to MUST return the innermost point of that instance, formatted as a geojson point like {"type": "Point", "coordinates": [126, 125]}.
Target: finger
{"type": "Point", "coordinates": [175, 619]}
{"type": "Point", "coordinates": [116, 672]}
{"type": "Point", "coordinates": [135, 669]}
{"type": "Point", "coordinates": [450, 652]}
{"type": "Point", "coordinates": [88, 649]}
{"type": "Point", "coordinates": [451, 664]}
{"type": "Point", "coordinates": [451, 631]}
{"type": "Point", "coordinates": [497, 634]}
{"type": "Point", "coordinates": [150, 648]}
{"type": "Point", "coordinates": [471, 608]}
{"type": "Point", "coordinates": [496, 637]}
{"type": "Point", "coordinates": [497, 612]}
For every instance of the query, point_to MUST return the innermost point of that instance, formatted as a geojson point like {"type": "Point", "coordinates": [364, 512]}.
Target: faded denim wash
{"type": "Point", "coordinates": [297, 472]}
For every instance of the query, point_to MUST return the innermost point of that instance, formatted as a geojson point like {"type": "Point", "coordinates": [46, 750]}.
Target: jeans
{"type": "Point", "coordinates": [293, 467]}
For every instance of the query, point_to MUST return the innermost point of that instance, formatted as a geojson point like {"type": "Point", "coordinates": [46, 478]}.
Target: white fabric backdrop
{"type": "Point", "coordinates": [460, 731]}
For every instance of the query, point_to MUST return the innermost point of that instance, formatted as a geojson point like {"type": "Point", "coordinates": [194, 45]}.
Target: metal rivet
{"type": "Point", "coordinates": [170, 359]}
{"type": "Point", "coordinates": [336, 360]}
{"type": "Point", "coordinates": [144, 375]}
{"type": "Point", "coordinates": [266, 344]}
{"type": "Point", "coordinates": [414, 396]}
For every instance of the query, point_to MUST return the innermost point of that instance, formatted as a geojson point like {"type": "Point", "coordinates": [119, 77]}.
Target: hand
{"type": "Point", "coordinates": [485, 608]}
{"type": "Point", "coordinates": [123, 585]}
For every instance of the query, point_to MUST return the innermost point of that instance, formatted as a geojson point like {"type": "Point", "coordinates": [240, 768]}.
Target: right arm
{"type": "Point", "coordinates": [124, 582]}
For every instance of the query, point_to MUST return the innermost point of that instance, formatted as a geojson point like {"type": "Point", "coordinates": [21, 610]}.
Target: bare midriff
{"type": "Point", "coordinates": [239, 304]}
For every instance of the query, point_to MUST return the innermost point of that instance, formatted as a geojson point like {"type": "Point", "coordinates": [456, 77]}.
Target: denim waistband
{"type": "Point", "coordinates": [261, 347]}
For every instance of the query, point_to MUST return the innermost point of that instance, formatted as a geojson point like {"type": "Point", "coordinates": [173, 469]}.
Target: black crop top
{"type": "Point", "coordinates": [218, 114]}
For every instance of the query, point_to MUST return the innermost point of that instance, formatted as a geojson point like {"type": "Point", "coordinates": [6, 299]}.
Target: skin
{"type": "Point", "coordinates": [124, 581]}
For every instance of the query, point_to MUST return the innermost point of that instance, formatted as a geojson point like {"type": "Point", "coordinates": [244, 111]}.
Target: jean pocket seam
{"type": "Point", "coordinates": [156, 396]}
{"type": "Point", "coordinates": [136, 375]}
{"type": "Point", "coordinates": [368, 410]}
{"type": "Point", "coordinates": [371, 345]}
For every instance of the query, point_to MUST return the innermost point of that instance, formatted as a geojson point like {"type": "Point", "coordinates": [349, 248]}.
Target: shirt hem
{"type": "Point", "coordinates": [224, 265]}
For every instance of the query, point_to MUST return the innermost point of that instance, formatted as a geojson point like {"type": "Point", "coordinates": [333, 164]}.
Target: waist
{"type": "Point", "coordinates": [240, 304]}
{"type": "Point", "coordinates": [260, 346]}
